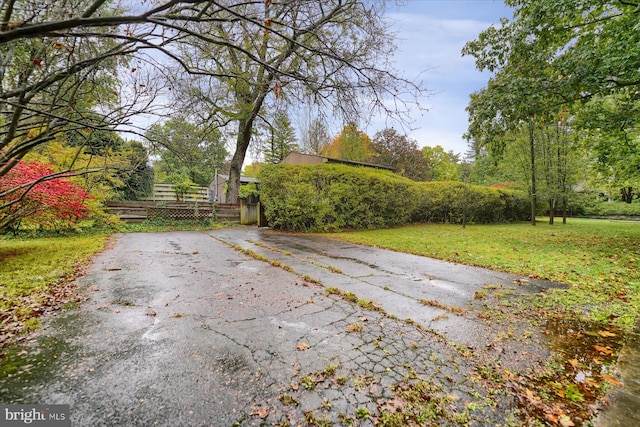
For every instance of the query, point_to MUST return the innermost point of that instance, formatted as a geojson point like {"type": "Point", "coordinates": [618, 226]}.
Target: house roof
{"type": "Point", "coordinates": [311, 159]}
{"type": "Point", "coordinates": [243, 179]}
{"type": "Point", "coordinates": [350, 162]}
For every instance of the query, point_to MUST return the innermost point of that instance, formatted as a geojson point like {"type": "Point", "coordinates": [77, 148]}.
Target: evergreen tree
{"type": "Point", "coordinates": [283, 139]}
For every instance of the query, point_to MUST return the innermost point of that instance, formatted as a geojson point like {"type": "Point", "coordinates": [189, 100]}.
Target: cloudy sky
{"type": "Point", "coordinates": [431, 35]}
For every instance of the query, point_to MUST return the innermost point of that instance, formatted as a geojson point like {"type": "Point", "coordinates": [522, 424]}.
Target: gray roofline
{"type": "Point", "coordinates": [347, 162]}
{"type": "Point", "coordinates": [246, 179]}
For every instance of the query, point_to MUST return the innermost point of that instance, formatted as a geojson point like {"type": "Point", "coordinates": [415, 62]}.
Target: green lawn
{"type": "Point", "coordinates": [599, 258]}
{"type": "Point", "coordinates": [34, 271]}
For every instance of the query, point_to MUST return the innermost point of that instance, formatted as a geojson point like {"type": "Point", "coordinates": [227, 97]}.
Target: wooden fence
{"type": "Point", "coordinates": [166, 193]}
{"type": "Point", "coordinates": [138, 211]}
{"type": "Point", "coordinates": [252, 213]}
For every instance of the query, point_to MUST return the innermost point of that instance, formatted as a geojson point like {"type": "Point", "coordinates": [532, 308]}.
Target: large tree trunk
{"type": "Point", "coordinates": [242, 145]}
{"type": "Point", "coordinates": [627, 194]}
{"type": "Point", "coordinates": [245, 128]}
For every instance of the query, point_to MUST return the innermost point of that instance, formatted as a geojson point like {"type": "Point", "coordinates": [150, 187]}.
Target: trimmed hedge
{"type": "Point", "coordinates": [335, 197]}
{"type": "Point", "coordinates": [331, 197]}
{"type": "Point", "coordinates": [603, 208]}
{"type": "Point", "coordinates": [452, 202]}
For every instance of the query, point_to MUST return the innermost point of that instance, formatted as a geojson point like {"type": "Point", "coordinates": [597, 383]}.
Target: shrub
{"type": "Point", "coordinates": [247, 191]}
{"type": "Point", "coordinates": [182, 185]}
{"type": "Point", "coordinates": [26, 195]}
{"type": "Point", "coordinates": [451, 202]}
{"type": "Point", "coordinates": [612, 209]}
{"type": "Point", "coordinates": [517, 206]}
{"type": "Point", "coordinates": [331, 197]}
{"type": "Point", "coordinates": [335, 197]}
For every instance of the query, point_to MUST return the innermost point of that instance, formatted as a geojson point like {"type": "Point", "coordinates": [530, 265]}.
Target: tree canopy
{"type": "Point", "coordinates": [282, 140]}
{"type": "Point", "coordinates": [99, 65]}
{"type": "Point", "coordinates": [390, 148]}
{"type": "Point", "coordinates": [187, 149]}
{"type": "Point", "coordinates": [610, 126]}
{"type": "Point", "coordinates": [442, 165]}
{"type": "Point", "coordinates": [350, 144]}
{"type": "Point", "coordinates": [551, 61]}
{"type": "Point", "coordinates": [330, 54]}
{"type": "Point", "coordinates": [315, 137]}
{"type": "Point", "coordinates": [585, 44]}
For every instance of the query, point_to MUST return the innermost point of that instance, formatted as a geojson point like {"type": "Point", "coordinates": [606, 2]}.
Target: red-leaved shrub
{"type": "Point", "coordinates": [49, 203]}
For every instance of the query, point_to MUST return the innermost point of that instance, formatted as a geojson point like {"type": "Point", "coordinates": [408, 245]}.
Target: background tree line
{"type": "Point", "coordinates": [563, 103]}
{"type": "Point", "coordinates": [388, 147]}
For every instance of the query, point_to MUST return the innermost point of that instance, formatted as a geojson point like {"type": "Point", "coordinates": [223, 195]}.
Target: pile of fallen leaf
{"type": "Point", "coordinates": [416, 403]}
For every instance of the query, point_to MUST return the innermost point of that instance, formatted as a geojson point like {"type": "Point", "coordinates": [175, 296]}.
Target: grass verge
{"type": "Point", "coordinates": [150, 226]}
{"type": "Point", "coordinates": [35, 275]}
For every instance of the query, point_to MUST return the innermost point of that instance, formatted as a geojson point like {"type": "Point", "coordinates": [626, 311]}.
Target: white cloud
{"type": "Point", "coordinates": [429, 46]}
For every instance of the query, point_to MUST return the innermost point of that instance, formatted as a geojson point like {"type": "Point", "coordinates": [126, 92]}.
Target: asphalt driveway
{"type": "Point", "coordinates": [241, 326]}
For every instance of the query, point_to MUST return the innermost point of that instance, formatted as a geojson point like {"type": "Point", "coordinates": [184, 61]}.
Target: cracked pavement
{"type": "Point", "coordinates": [184, 329]}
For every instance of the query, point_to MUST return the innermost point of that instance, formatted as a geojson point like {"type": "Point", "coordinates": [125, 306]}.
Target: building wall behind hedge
{"type": "Point", "coordinates": [330, 197]}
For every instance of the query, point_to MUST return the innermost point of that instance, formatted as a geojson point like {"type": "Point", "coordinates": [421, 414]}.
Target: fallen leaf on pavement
{"type": "Point", "coordinates": [565, 421]}
{"type": "Point", "coordinates": [611, 380]}
{"type": "Point", "coordinates": [602, 349]}
{"type": "Point", "coordinates": [261, 412]}
{"type": "Point", "coordinates": [592, 383]}
{"type": "Point", "coordinates": [531, 397]}
{"type": "Point", "coordinates": [395, 404]}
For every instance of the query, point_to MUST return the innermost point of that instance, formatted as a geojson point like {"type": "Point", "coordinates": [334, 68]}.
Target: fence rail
{"type": "Point", "coordinates": [166, 193]}
{"type": "Point", "coordinates": [138, 211]}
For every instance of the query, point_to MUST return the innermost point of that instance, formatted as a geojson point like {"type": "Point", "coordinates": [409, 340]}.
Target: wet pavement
{"type": "Point", "coordinates": [625, 397]}
{"type": "Point", "coordinates": [185, 329]}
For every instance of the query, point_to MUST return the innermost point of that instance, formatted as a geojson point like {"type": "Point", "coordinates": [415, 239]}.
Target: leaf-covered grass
{"type": "Point", "coordinates": [599, 258]}
{"type": "Point", "coordinates": [152, 226]}
{"type": "Point", "coordinates": [33, 273]}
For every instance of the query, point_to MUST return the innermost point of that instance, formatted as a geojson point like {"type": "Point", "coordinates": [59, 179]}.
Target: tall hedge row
{"type": "Point", "coordinates": [332, 197]}
{"type": "Point", "coordinates": [455, 202]}
{"type": "Point", "coordinates": [335, 197]}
